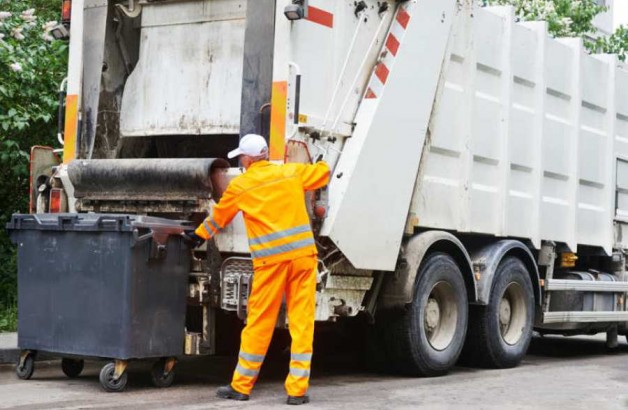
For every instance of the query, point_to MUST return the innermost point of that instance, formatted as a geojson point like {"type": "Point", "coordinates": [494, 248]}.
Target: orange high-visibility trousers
{"type": "Point", "coordinates": [297, 280]}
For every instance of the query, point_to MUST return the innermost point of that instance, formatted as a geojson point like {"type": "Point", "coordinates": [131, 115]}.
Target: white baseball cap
{"type": "Point", "coordinates": [252, 145]}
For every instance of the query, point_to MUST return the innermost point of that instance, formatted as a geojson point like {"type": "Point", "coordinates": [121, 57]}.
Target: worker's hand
{"type": "Point", "coordinates": [192, 239]}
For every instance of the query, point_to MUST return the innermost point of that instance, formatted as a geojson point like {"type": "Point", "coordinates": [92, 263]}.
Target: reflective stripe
{"type": "Point", "coordinates": [283, 248]}
{"type": "Point", "coordinates": [257, 358]}
{"type": "Point", "coordinates": [299, 372]}
{"type": "Point", "coordinates": [214, 224]}
{"type": "Point", "coordinates": [246, 372]}
{"type": "Point", "coordinates": [302, 357]}
{"type": "Point", "coordinates": [209, 231]}
{"type": "Point", "coordinates": [281, 234]}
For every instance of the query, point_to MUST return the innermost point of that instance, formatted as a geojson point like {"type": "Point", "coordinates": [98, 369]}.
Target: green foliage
{"type": "Point", "coordinates": [8, 318]}
{"type": "Point", "coordinates": [570, 18]}
{"type": "Point", "coordinates": [565, 18]}
{"type": "Point", "coordinates": [617, 43]}
{"type": "Point", "coordinates": [32, 65]}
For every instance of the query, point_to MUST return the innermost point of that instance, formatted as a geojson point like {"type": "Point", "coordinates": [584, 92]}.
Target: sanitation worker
{"type": "Point", "coordinates": [271, 198]}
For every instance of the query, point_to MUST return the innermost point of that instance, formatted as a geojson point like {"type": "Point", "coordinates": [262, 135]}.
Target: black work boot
{"type": "Point", "coordinates": [296, 400]}
{"type": "Point", "coordinates": [227, 392]}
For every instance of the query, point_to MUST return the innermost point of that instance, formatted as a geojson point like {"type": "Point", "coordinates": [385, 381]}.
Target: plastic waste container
{"type": "Point", "coordinates": [101, 286]}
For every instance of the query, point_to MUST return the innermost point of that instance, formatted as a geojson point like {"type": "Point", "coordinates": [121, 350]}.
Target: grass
{"type": "Point", "coordinates": [8, 318]}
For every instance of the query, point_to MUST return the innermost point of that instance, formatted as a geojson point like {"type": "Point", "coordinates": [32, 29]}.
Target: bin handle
{"type": "Point", "coordinates": [157, 248]}
{"type": "Point", "coordinates": [137, 238]}
{"type": "Point", "coordinates": [158, 237]}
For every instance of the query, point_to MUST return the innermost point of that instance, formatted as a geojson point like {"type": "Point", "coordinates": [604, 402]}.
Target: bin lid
{"type": "Point", "coordinates": [92, 222]}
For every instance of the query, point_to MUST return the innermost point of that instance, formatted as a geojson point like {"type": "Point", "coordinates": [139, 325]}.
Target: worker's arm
{"type": "Point", "coordinates": [223, 213]}
{"type": "Point", "coordinates": [314, 176]}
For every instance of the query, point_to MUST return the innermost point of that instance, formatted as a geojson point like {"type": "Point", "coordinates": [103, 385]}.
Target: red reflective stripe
{"type": "Point", "coordinates": [370, 94]}
{"type": "Point", "coordinates": [403, 18]}
{"type": "Point", "coordinates": [322, 17]}
{"type": "Point", "coordinates": [382, 72]}
{"type": "Point", "coordinates": [392, 44]}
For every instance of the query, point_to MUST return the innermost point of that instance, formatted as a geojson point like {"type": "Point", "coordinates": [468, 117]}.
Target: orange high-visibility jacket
{"type": "Point", "coordinates": [271, 198]}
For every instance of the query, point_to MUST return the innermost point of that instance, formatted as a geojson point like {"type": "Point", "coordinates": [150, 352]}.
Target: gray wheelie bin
{"type": "Point", "coordinates": [101, 286]}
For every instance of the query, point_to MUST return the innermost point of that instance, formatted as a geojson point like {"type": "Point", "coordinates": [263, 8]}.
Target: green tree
{"type": "Point", "coordinates": [570, 18]}
{"type": "Point", "coordinates": [617, 43]}
{"type": "Point", "coordinates": [32, 65]}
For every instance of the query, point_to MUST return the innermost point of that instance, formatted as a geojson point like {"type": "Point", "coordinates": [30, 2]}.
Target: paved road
{"type": "Point", "coordinates": [570, 373]}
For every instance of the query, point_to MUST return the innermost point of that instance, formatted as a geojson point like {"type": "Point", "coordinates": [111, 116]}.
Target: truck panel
{"type": "Point", "coordinates": [192, 75]}
{"type": "Point", "coordinates": [522, 136]}
{"type": "Point", "coordinates": [383, 154]}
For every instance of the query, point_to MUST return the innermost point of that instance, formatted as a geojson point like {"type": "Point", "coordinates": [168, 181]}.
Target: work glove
{"type": "Point", "coordinates": [192, 239]}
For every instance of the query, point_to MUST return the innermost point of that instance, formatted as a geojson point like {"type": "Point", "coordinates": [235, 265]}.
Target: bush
{"type": "Point", "coordinates": [32, 65]}
{"type": "Point", "coordinates": [8, 318]}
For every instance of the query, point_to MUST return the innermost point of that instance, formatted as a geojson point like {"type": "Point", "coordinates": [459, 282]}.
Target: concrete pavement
{"type": "Point", "coordinates": [8, 348]}
{"type": "Point", "coordinates": [574, 373]}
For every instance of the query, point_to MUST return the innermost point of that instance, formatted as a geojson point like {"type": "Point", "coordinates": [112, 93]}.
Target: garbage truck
{"type": "Point", "coordinates": [479, 187]}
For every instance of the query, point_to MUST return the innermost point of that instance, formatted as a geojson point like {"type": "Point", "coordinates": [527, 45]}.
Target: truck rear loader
{"type": "Point", "coordinates": [480, 168]}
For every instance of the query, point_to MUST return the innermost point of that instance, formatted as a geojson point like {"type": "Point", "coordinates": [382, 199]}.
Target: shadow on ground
{"type": "Point", "coordinates": [336, 354]}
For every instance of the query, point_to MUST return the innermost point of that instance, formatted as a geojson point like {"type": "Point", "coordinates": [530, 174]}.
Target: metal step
{"type": "Point", "coordinates": [581, 317]}
{"type": "Point", "coordinates": [585, 286]}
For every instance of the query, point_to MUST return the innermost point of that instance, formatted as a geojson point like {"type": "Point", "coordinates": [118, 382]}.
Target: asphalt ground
{"type": "Point", "coordinates": [558, 372]}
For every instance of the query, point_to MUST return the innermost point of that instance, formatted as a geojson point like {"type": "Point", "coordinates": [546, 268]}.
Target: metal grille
{"type": "Point", "coordinates": [236, 277]}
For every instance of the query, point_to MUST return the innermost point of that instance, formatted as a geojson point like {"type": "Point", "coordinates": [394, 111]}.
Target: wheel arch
{"type": "Point", "coordinates": [398, 289]}
{"type": "Point", "coordinates": [486, 260]}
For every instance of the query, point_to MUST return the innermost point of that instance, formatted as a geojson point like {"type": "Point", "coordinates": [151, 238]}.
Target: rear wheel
{"type": "Point", "coordinates": [500, 333]}
{"type": "Point", "coordinates": [426, 340]}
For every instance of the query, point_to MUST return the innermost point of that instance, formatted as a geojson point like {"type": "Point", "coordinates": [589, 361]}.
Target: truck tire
{"type": "Point", "coordinates": [427, 338]}
{"type": "Point", "coordinates": [500, 333]}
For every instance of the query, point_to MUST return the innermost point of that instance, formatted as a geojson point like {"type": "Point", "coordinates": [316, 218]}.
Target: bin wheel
{"type": "Point", "coordinates": [107, 380]}
{"type": "Point", "coordinates": [25, 367]}
{"type": "Point", "coordinates": [72, 367]}
{"type": "Point", "coordinates": [158, 375]}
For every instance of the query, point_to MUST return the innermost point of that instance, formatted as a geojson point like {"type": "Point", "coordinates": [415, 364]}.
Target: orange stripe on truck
{"type": "Point", "coordinates": [381, 71]}
{"type": "Point", "coordinates": [403, 18]}
{"type": "Point", "coordinates": [70, 131]}
{"type": "Point", "coordinates": [322, 17]}
{"type": "Point", "coordinates": [278, 120]}
{"type": "Point", "coordinates": [392, 44]}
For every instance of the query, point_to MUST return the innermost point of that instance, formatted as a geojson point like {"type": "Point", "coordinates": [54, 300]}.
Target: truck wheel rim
{"type": "Point", "coordinates": [512, 314]}
{"type": "Point", "coordinates": [440, 316]}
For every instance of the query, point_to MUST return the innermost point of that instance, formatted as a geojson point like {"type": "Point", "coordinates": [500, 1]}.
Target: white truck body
{"type": "Point", "coordinates": [525, 133]}
{"type": "Point", "coordinates": [526, 140]}
{"type": "Point", "coordinates": [460, 140]}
